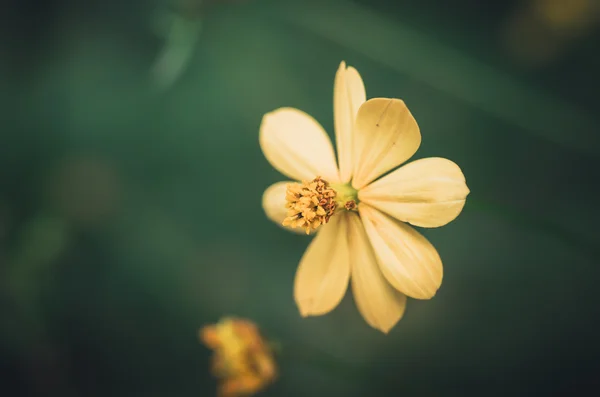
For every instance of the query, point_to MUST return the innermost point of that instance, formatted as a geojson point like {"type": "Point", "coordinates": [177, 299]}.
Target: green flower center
{"type": "Point", "coordinates": [346, 196]}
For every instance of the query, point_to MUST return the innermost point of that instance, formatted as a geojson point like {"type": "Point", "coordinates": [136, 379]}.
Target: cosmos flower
{"type": "Point", "coordinates": [242, 360]}
{"type": "Point", "coordinates": [361, 214]}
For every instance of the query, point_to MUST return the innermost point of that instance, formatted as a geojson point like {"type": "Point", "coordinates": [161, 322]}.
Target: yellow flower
{"type": "Point", "coordinates": [242, 359]}
{"type": "Point", "coordinates": [365, 233]}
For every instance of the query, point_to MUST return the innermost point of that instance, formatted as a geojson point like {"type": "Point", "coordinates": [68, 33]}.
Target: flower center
{"type": "Point", "coordinates": [347, 196]}
{"type": "Point", "coordinates": [311, 204]}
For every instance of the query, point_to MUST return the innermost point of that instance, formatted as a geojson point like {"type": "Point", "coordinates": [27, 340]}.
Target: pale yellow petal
{"type": "Point", "coordinates": [273, 203]}
{"type": "Point", "coordinates": [348, 94]}
{"type": "Point", "coordinates": [297, 146]}
{"type": "Point", "coordinates": [429, 192]}
{"type": "Point", "coordinates": [379, 303]}
{"type": "Point", "coordinates": [406, 258]}
{"type": "Point", "coordinates": [385, 136]}
{"type": "Point", "coordinates": [322, 277]}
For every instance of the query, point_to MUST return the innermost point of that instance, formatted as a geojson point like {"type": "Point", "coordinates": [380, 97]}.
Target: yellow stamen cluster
{"type": "Point", "coordinates": [309, 204]}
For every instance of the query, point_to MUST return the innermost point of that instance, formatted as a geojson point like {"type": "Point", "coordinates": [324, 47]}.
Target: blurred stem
{"type": "Point", "coordinates": [41, 241]}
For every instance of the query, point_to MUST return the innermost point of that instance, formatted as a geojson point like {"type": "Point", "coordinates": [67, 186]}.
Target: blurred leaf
{"type": "Point", "coordinates": [181, 35]}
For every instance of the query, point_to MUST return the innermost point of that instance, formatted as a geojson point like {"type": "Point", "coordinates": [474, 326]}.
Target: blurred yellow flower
{"type": "Point", "coordinates": [242, 360]}
{"type": "Point", "coordinates": [365, 234]}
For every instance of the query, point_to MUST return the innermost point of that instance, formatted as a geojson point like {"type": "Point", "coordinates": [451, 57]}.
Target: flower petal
{"type": "Point", "coordinates": [273, 203]}
{"type": "Point", "coordinates": [407, 260]}
{"type": "Point", "coordinates": [385, 136]}
{"type": "Point", "coordinates": [429, 192]}
{"type": "Point", "coordinates": [322, 277]}
{"type": "Point", "coordinates": [379, 303]}
{"type": "Point", "coordinates": [297, 146]}
{"type": "Point", "coordinates": [348, 94]}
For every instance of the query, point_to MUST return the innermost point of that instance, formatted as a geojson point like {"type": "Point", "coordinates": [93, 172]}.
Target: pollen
{"type": "Point", "coordinates": [309, 204]}
{"type": "Point", "coordinates": [350, 205]}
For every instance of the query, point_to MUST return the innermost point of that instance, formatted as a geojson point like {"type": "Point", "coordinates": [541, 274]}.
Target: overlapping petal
{"type": "Point", "coordinates": [385, 136]}
{"type": "Point", "coordinates": [297, 146]}
{"type": "Point", "coordinates": [429, 192]}
{"type": "Point", "coordinates": [348, 95]}
{"type": "Point", "coordinates": [406, 258]}
{"type": "Point", "coordinates": [273, 202]}
{"type": "Point", "coordinates": [379, 303]}
{"type": "Point", "coordinates": [324, 270]}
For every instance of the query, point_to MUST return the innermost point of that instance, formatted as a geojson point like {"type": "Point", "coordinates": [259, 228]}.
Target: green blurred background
{"type": "Point", "coordinates": [131, 182]}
